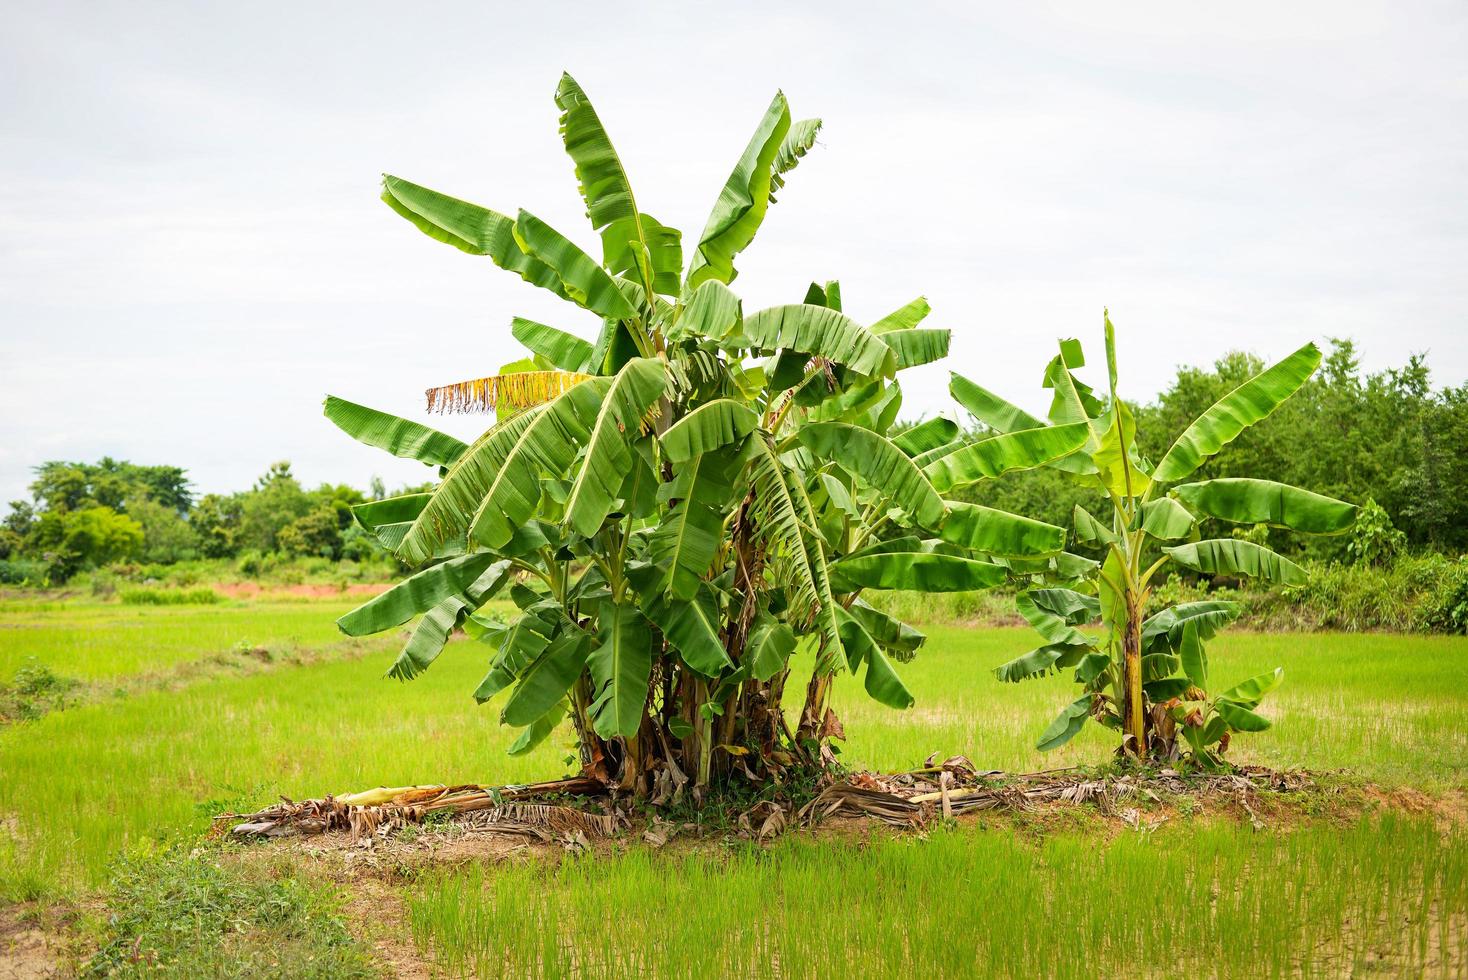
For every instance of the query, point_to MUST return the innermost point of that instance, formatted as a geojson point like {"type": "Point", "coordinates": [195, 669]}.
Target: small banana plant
{"type": "Point", "coordinates": [1147, 675]}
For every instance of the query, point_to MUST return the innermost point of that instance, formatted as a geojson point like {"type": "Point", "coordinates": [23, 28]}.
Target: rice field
{"type": "Point", "coordinates": [128, 774]}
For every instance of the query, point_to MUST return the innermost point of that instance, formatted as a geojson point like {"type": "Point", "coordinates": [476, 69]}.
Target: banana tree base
{"type": "Point", "coordinates": [907, 800]}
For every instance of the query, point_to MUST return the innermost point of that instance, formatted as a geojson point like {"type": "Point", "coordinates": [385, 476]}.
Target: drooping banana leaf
{"type": "Point", "coordinates": [399, 436]}
{"type": "Point", "coordinates": [797, 143]}
{"type": "Point", "coordinates": [469, 228]}
{"type": "Point", "coordinates": [545, 682]}
{"type": "Point", "coordinates": [1089, 530]}
{"type": "Point", "coordinates": [817, 331]}
{"type": "Point", "coordinates": [626, 233]}
{"type": "Point", "coordinates": [707, 428]}
{"type": "Point", "coordinates": [1193, 656]}
{"type": "Point", "coordinates": [742, 203]}
{"type": "Point", "coordinates": [1250, 402]}
{"type": "Point", "coordinates": [538, 731]}
{"type": "Point", "coordinates": [629, 397]}
{"type": "Point", "coordinates": [1266, 502]}
{"type": "Point", "coordinates": [584, 281]}
{"type": "Point", "coordinates": [916, 571]}
{"type": "Point", "coordinates": [692, 628]}
{"type": "Point", "coordinates": [1240, 718]}
{"type": "Point", "coordinates": [1055, 614]}
{"type": "Point", "coordinates": [1232, 556]}
{"type": "Point", "coordinates": [1041, 662]}
{"type": "Point", "coordinates": [1166, 519]}
{"type": "Point", "coordinates": [566, 351]}
{"type": "Point", "coordinates": [1067, 725]}
{"type": "Point", "coordinates": [1163, 631]}
{"type": "Point", "coordinates": [621, 665]}
{"type": "Point", "coordinates": [915, 347]}
{"type": "Point", "coordinates": [889, 632]}
{"type": "Point", "coordinates": [904, 318]}
{"type": "Point", "coordinates": [783, 516]}
{"type": "Point", "coordinates": [714, 312]}
{"type": "Point", "coordinates": [997, 532]}
{"type": "Point", "coordinates": [1113, 455]}
{"type": "Point", "coordinates": [927, 435]}
{"type": "Point", "coordinates": [464, 487]}
{"type": "Point", "coordinates": [884, 467]}
{"type": "Point", "coordinates": [989, 408]}
{"type": "Point", "coordinates": [519, 646]}
{"type": "Point", "coordinates": [546, 447]}
{"type": "Point", "coordinates": [1252, 691]}
{"type": "Point", "coordinates": [433, 630]}
{"type": "Point", "coordinates": [769, 647]}
{"type": "Point", "coordinates": [994, 457]}
{"type": "Point", "coordinates": [419, 593]}
{"type": "Point", "coordinates": [683, 545]}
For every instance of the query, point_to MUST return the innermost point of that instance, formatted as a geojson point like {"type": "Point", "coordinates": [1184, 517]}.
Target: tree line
{"type": "Point", "coordinates": [1387, 437]}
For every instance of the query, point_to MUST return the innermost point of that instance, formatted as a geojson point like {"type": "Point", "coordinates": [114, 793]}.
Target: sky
{"type": "Point", "coordinates": [193, 253]}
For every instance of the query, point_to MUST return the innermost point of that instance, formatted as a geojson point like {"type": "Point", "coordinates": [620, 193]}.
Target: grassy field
{"type": "Point", "coordinates": [130, 774]}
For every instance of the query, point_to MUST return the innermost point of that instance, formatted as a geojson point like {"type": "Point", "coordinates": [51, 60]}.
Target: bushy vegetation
{"type": "Point", "coordinates": [85, 516]}
{"type": "Point", "coordinates": [169, 597]}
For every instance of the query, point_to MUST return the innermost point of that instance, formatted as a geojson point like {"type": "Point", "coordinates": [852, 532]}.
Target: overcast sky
{"type": "Point", "coordinates": [192, 252]}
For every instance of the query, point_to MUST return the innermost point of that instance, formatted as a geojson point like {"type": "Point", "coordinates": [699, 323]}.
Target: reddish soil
{"type": "Point", "coordinates": [254, 590]}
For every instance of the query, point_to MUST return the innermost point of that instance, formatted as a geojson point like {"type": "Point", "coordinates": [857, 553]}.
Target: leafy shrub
{"type": "Point", "coordinates": [1374, 540]}
{"type": "Point", "coordinates": [34, 691]}
{"type": "Point", "coordinates": [1414, 593]}
{"type": "Point", "coordinates": [23, 572]}
{"type": "Point", "coordinates": [169, 597]}
{"type": "Point", "coordinates": [1448, 611]}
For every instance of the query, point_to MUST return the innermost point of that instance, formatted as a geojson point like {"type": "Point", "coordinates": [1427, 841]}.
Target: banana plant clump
{"type": "Point", "coordinates": [1148, 675]}
{"type": "Point", "coordinates": [686, 509]}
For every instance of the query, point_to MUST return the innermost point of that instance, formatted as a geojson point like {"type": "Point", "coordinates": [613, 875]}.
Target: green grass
{"type": "Point", "coordinates": [86, 782]}
{"type": "Point", "coordinates": [103, 641]}
{"type": "Point", "coordinates": [1204, 901]}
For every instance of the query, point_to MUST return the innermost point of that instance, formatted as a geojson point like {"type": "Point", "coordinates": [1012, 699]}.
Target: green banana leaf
{"type": "Point", "coordinates": [399, 436]}
{"type": "Point", "coordinates": [916, 571]}
{"type": "Point", "coordinates": [692, 628]}
{"type": "Point", "coordinates": [621, 666]}
{"type": "Point", "coordinates": [915, 347]}
{"type": "Point", "coordinates": [545, 682]}
{"type": "Point", "coordinates": [713, 312]}
{"type": "Point", "coordinates": [884, 467]}
{"type": "Point", "coordinates": [1250, 402]}
{"type": "Point", "coordinates": [989, 408]}
{"type": "Point", "coordinates": [890, 633]}
{"type": "Point", "coordinates": [796, 144]}
{"type": "Point", "coordinates": [769, 647]}
{"type": "Point", "coordinates": [464, 487]}
{"type": "Point", "coordinates": [742, 203]}
{"type": "Point", "coordinates": [629, 237]}
{"type": "Point", "coordinates": [1166, 519]}
{"type": "Point", "coordinates": [1193, 656]}
{"type": "Point", "coordinates": [1240, 718]}
{"type": "Point", "coordinates": [994, 457]}
{"type": "Point", "coordinates": [708, 427]}
{"type": "Point", "coordinates": [428, 638]}
{"type": "Point", "coordinates": [1163, 631]}
{"type": "Point", "coordinates": [1252, 691]}
{"type": "Point", "coordinates": [566, 351]}
{"type": "Point", "coordinates": [547, 447]}
{"type": "Point", "coordinates": [818, 331]}
{"type": "Point", "coordinates": [538, 731]}
{"type": "Point", "coordinates": [929, 434]}
{"type": "Point", "coordinates": [584, 281]}
{"type": "Point", "coordinates": [683, 545]}
{"type": "Point", "coordinates": [1066, 725]}
{"type": "Point", "coordinates": [1232, 556]}
{"type": "Point", "coordinates": [1266, 502]}
{"type": "Point", "coordinates": [1091, 531]}
{"type": "Point", "coordinates": [1041, 662]}
{"type": "Point", "coordinates": [997, 532]}
{"type": "Point", "coordinates": [904, 318]}
{"type": "Point", "coordinates": [419, 593]}
{"type": "Point", "coordinates": [469, 228]}
{"type": "Point", "coordinates": [632, 393]}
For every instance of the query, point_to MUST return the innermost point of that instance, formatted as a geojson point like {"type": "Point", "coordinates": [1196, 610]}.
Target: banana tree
{"type": "Point", "coordinates": [1148, 675]}
{"type": "Point", "coordinates": [685, 509]}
